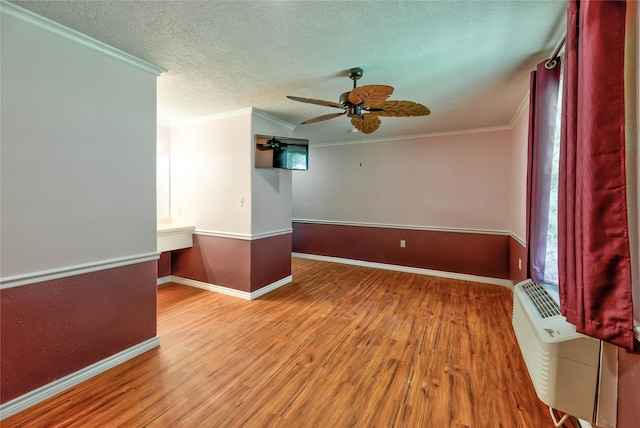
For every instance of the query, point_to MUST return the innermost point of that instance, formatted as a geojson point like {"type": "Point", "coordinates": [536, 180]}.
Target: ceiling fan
{"type": "Point", "coordinates": [272, 144]}
{"type": "Point", "coordinates": [365, 104]}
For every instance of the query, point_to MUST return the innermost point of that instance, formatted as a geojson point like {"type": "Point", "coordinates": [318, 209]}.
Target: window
{"type": "Point", "coordinates": [551, 249]}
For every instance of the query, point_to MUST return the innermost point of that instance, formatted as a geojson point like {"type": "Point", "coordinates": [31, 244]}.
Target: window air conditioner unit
{"type": "Point", "coordinates": [563, 364]}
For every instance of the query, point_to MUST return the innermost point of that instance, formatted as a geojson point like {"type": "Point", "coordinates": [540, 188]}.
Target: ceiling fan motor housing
{"type": "Point", "coordinates": [344, 100]}
{"type": "Point", "coordinates": [352, 110]}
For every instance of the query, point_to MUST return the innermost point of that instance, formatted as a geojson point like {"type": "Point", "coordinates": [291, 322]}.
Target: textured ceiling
{"type": "Point", "coordinates": [468, 61]}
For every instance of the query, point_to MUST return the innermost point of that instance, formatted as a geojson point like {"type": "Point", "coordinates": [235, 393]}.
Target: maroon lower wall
{"type": "Point", "coordinates": [164, 264]}
{"type": "Point", "coordinates": [52, 329]}
{"type": "Point", "coordinates": [517, 251]}
{"type": "Point", "coordinates": [479, 254]}
{"type": "Point", "coordinates": [270, 260]}
{"type": "Point", "coordinates": [244, 265]}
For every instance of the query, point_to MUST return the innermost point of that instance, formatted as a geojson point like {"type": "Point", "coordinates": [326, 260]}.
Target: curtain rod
{"type": "Point", "coordinates": [553, 61]}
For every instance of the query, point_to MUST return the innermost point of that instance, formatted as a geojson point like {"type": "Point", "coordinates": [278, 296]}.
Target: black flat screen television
{"type": "Point", "coordinates": [281, 152]}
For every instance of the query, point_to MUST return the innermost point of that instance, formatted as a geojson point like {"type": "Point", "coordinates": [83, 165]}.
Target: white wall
{"type": "Point", "coordinates": [163, 139]}
{"type": "Point", "coordinates": [518, 179]}
{"type": "Point", "coordinates": [210, 171]}
{"type": "Point", "coordinates": [78, 153]}
{"type": "Point", "coordinates": [163, 174]}
{"type": "Point", "coordinates": [271, 205]}
{"type": "Point", "coordinates": [214, 184]}
{"type": "Point", "coordinates": [449, 181]}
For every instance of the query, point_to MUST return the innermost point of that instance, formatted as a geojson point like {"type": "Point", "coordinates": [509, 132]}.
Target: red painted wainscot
{"type": "Point", "coordinates": [164, 264]}
{"type": "Point", "coordinates": [54, 328]}
{"type": "Point", "coordinates": [481, 254]}
{"type": "Point", "coordinates": [517, 261]}
{"type": "Point", "coordinates": [239, 264]}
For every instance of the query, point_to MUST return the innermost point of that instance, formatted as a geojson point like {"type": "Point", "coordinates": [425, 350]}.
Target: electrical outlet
{"type": "Point", "coordinates": [403, 244]}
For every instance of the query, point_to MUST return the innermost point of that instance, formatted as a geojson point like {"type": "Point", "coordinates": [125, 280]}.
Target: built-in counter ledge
{"type": "Point", "coordinates": [173, 237]}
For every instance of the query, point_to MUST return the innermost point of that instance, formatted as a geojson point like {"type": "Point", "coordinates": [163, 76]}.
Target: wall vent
{"type": "Point", "coordinates": [541, 299]}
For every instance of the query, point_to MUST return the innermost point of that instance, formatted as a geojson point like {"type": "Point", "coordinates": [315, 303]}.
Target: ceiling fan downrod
{"type": "Point", "coordinates": [352, 110]}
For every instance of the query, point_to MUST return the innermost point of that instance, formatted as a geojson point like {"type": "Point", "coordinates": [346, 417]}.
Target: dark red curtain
{"type": "Point", "coordinates": [593, 235]}
{"type": "Point", "coordinates": [543, 115]}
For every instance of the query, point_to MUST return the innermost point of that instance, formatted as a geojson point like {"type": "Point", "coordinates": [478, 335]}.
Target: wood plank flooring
{"type": "Point", "coordinates": [340, 346]}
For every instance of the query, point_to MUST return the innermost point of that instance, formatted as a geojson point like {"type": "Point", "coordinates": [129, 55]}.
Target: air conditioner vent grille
{"type": "Point", "coordinates": [541, 299]}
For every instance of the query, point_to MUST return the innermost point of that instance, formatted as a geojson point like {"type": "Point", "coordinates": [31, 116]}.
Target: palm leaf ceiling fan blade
{"type": "Point", "coordinates": [370, 95]}
{"type": "Point", "coordinates": [323, 117]}
{"type": "Point", "coordinates": [365, 104]}
{"type": "Point", "coordinates": [396, 108]}
{"type": "Point", "coordinates": [313, 101]}
{"type": "Point", "coordinates": [367, 123]}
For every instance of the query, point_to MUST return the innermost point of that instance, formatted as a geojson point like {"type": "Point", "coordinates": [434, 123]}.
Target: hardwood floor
{"type": "Point", "coordinates": [341, 346]}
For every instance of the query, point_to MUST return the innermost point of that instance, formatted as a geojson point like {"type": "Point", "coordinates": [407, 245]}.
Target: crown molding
{"type": "Point", "coordinates": [273, 119]}
{"type": "Point", "coordinates": [415, 136]}
{"type": "Point", "coordinates": [520, 111]}
{"type": "Point", "coordinates": [24, 15]}
{"type": "Point", "coordinates": [212, 117]}
{"type": "Point", "coordinates": [248, 111]}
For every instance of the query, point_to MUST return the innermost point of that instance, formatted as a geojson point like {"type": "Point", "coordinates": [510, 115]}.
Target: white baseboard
{"type": "Point", "coordinates": [270, 287]}
{"type": "Point", "coordinates": [230, 291]}
{"type": "Point", "coordinates": [163, 280]}
{"type": "Point", "coordinates": [34, 397]}
{"type": "Point", "coordinates": [408, 269]}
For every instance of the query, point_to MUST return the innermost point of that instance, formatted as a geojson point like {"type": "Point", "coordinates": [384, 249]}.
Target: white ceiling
{"type": "Point", "coordinates": [468, 61]}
